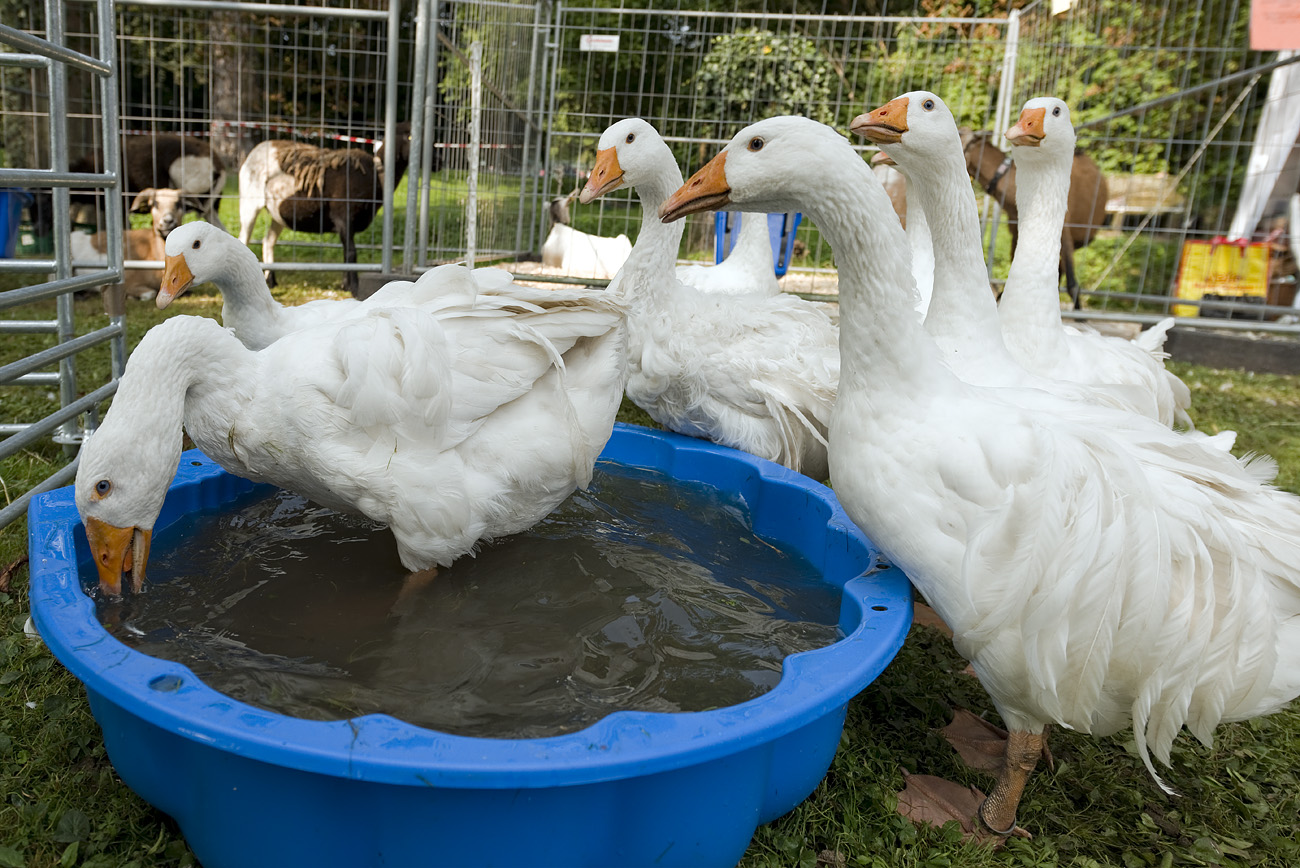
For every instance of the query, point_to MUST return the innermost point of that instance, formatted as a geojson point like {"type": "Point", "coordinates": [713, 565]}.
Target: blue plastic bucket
{"type": "Point", "coordinates": [12, 203]}
{"type": "Point", "coordinates": [252, 787]}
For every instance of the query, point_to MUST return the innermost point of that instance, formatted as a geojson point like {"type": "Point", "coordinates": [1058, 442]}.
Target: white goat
{"type": "Point", "coordinates": [580, 254]}
{"type": "Point", "coordinates": [166, 210]}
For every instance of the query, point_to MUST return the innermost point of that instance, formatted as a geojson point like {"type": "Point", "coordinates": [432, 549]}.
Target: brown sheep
{"type": "Point", "coordinates": [164, 161]}
{"type": "Point", "coordinates": [1085, 213]}
{"type": "Point", "coordinates": [312, 189]}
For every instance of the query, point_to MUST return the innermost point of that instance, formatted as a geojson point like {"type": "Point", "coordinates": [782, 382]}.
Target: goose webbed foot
{"type": "Point", "coordinates": [412, 585]}
{"type": "Point", "coordinates": [933, 801]}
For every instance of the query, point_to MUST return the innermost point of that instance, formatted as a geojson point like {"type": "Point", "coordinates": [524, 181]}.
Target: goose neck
{"type": "Point", "coordinates": [882, 342]}
{"type": "Point", "coordinates": [654, 255]}
{"type": "Point", "coordinates": [247, 307]}
{"type": "Point", "coordinates": [963, 315]}
{"type": "Point", "coordinates": [1031, 299]}
{"type": "Point", "coordinates": [182, 363]}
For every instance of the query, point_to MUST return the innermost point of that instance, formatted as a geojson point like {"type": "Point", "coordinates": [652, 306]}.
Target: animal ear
{"type": "Point", "coordinates": [143, 200]}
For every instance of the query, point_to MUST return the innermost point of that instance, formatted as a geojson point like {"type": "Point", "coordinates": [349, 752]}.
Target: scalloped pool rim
{"type": "Point", "coordinates": [875, 615]}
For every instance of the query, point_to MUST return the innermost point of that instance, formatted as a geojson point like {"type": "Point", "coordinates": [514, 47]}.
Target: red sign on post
{"type": "Point", "coordinates": [1274, 25]}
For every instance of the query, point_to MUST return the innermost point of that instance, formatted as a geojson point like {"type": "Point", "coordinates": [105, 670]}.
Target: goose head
{"type": "Point", "coordinates": [766, 167]}
{"type": "Point", "coordinates": [1044, 126]}
{"type": "Point", "coordinates": [197, 253]}
{"type": "Point", "coordinates": [915, 126]}
{"type": "Point", "coordinates": [119, 491]}
{"type": "Point", "coordinates": [630, 153]}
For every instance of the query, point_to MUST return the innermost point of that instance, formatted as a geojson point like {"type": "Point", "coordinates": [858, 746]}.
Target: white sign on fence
{"type": "Point", "coordinates": [598, 42]}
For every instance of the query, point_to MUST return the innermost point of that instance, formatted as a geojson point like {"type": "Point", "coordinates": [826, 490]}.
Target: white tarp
{"type": "Point", "coordinates": [1273, 173]}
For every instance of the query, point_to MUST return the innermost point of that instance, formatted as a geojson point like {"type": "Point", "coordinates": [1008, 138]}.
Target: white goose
{"type": "Point", "coordinates": [963, 318]}
{"type": "Point", "coordinates": [757, 373]}
{"type": "Point", "coordinates": [748, 268]}
{"type": "Point", "coordinates": [1043, 150]}
{"type": "Point", "coordinates": [1097, 568]}
{"type": "Point", "coordinates": [469, 417]}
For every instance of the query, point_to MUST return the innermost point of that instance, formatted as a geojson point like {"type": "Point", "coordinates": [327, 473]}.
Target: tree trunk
{"type": "Point", "coordinates": [231, 66]}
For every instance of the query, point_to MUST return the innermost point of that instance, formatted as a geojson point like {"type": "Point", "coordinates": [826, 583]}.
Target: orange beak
{"type": "Point", "coordinates": [118, 551]}
{"type": "Point", "coordinates": [880, 158]}
{"type": "Point", "coordinates": [706, 190]}
{"type": "Point", "coordinates": [176, 279]}
{"type": "Point", "coordinates": [1029, 130]}
{"type": "Point", "coordinates": [605, 176]}
{"type": "Point", "coordinates": [885, 125]}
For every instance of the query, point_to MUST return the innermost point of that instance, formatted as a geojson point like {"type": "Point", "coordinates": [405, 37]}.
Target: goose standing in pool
{"type": "Point", "coordinates": [757, 373]}
{"type": "Point", "coordinates": [1097, 569]}
{"type": "Point", "coordinates": [469, 417]}
{"type": "Point", "coordinates": [982, 340]}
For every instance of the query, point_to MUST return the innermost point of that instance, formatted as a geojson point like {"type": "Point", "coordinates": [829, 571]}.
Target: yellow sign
{"type": "Point", "coordinates": [1221, 270]}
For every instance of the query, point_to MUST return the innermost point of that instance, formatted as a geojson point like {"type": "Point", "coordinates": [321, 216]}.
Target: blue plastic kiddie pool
{"type": "Point", "coordinates": [251, 787]}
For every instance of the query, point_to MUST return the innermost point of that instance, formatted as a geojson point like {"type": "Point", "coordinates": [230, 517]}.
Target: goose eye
{"type": "Point", "coordinates": [630, 137]}
{"type": "Point", "coordinates": [928, 105]}
{"type": "Point", "coordinates": [1056, 112]}
{"type": "Point", "coordinates": [196, 244]}
{"type": "Point", "coordinates": [103, 487]}
{"type": "Point", "coordinates": [756, 144]}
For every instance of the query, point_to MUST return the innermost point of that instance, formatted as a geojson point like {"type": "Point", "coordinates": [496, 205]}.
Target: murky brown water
{"type": "Point", "coordinates": [641, 593]}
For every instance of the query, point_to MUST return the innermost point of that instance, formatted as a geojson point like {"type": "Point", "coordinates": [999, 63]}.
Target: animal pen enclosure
{"type": "Point", "coordinates": [508, 100]}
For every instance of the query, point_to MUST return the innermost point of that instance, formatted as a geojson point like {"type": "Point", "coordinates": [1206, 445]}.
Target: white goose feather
{"type": "Point", "coordinates": [1097, 568]}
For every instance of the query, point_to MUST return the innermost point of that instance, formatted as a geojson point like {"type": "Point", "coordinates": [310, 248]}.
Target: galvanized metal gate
{"type": "Point", "coordinates": [52, 55]}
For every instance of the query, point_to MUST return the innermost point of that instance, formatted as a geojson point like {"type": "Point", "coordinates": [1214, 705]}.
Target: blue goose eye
{"type": "Point", "coordinates": [1056, 112]}
{"type": "Point", "coordinates": [928, 105]}
{"type": "Point", "coordinates": [756, 143]}
{"type": "Point", "coordinates": [630, 137]}
{"type": "Point", "coordinates": [103, 487]}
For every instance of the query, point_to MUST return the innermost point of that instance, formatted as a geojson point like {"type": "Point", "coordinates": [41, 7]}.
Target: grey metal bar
{"type": "Point", "coordinates": [475, 134]}
{"type": "Point", "coordinates": [55, 12]}
{"type": "Point", "coordinates": [30, 61]}
{"type": "Point", "coordinates": [1196, 322]}
{"type": "Point", "coordinates": [53, 50]}
{"type": "Point", "coordinates": [39, 379]}
{"type": "Point", "coordinates": [18, 508]}
{"type": "Point", "coordinates": [40, 292]}
{"type": "Point", "coordinates": [264, 8]}
{"type": "Point", "coordinates": [793, 17]}
{"type": "Point", "coordinates": [427, 144]}
{"type": "Point", "coordinates": [322, 266]}
{"type": "Point", "coordinates": [28, 326]}
{"type": "Point", "coordinates": [524, 159]}
{"type": "Point", "coordinates": [13, 370]}
{"type": "Point", "coordinates": [390, 132]}
{"type": "Point", "coordinates": [417, 173]}
{"type": "Point", "coordinates": [31, 433]}
{"type": "Point", "coordinates": [1247, 307]}
{"type": "Point", "coordinates": [55, 178]}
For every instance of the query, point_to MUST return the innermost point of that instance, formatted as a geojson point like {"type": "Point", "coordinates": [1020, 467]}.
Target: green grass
{"type": "Point", "coordinates": [62, 804]}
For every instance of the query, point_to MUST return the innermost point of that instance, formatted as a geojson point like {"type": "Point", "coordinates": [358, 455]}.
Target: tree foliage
{"type": "Point", "coordinates": [754, 73]}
